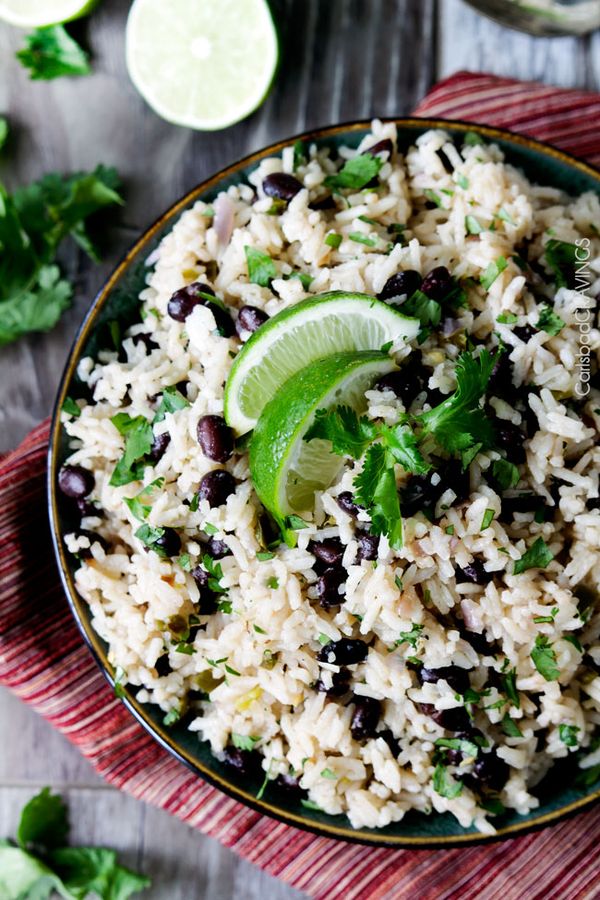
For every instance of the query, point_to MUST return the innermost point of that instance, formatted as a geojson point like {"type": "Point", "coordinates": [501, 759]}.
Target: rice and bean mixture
{"type": "Point", "coordinates": [449, 674]}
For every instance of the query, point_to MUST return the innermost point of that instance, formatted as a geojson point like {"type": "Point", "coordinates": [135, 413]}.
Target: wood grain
{"type": "Point", "coordinates": [340, 60]}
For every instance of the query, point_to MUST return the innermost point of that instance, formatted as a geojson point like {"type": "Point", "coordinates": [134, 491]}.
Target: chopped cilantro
{"type": "Point", "coordinates": [356, 173]}
{"type": "Point", "coordinates": [120, 677]}
{"type": "Point", "coordinates": [272, 583]}
{"type": "Point", "coordinates": [51, 52]}
{"type": "Point", "coordinates": [588, 777]}
{"type": "Point", "coordinates": [450, 529]}
{"type": "Point", "coordinates": [261, 268]}
{"type": "Point", "coordinates": [488, 518]}
{"type": "Point", "coordinates": [493, 271]}
{"type": "Point", "coordinates": [138, 441]}
{"type": "Point", "coordinates": [333, 240]}
{"type": "Point", "coordinates": [568, 735]}
{"type": "Point", "coordinates": [410, 637]}
{"type": "Point", "coordinates": [506, 473]}
{"type": "Point", "coordinates": [493, 805]}
{"type": "Point", "coordinates": [172, 717]}
{"type": "Point", "coordinates": [244, 741]}
{"type": "Point", "coordinates": [300, 157]}
{"type": "Point", "coordinates": [264, 555]}
{"type": "Point", "coordinates": [540, 620]}
{"type": "Point", "coordinates": [472, 139]}
{"type": "Point", "coordinates": [507, 318]}
{"type": "Point", "coordinates": [549, 321]}
{"type": "Point", "coordinates": [71, 407]}
{"type": "Point", "coordinates": [295, 522]}
{"type": "Point", "coordinates": [537, 557]}
{"type": "Point", "coordinates": [324, 639]}
{"type": "Point", "coordinates": [195, 502]}
{"type": "Point", "coordinates": [170, 402]}
{"type": "Point", "coordinates": [259, 630]}
{"type": "Point", "coordinates": [504, 216]}
{"type": "Point", "coordinates": [469, 748]}
{"type": "Point", "coordinates": [149, 536]}
{"type": "Point", "coordinates": [544, 658]}
{"type": "Point", "coordinates": [309, 804]}
{"type": "Point", "coordinates": [138, 507]}
{"type": "Point", "coordinates": [215, 573]}
{"type": "Point", "coordinates": [462, 181]}
{"type": "Point", "coordinates": [185, 562]}
{"type": "Point", "coordinates": [472, 225]}
{"type": "Point", "coordinates": [562, 260]}
{"type": "Point", "coordinates": [327, 773]}
{"type": "Point", "coordinates": [231, 670]}
{"type": "Point", "coordinates": [3, 131]}
{"type": "Point", "coordinates": [426, 310]}
{"type": "Point", "coordinates": [360, 238]}
{"type": "Point", "coordinates": [433, 197]}
{"type": "Point", "coordinates": [444, 784]}
{"type": "Point", "coordinates": [277, 207]}
{"type": "Point", "coordinates": [304, 278]}
{"type": "Point", "coordinates": [207, 528]}
{"type": "Point", "coordinates": [186, 649]}
{"type": "Point", "coordinates": [510, 727]}
{"type": "Point", "coordinates": [398, 582]}
{"type": "Point", "coordinates": [571, 639]}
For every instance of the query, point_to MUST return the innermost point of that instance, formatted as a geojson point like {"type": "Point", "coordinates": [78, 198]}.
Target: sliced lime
{"type": "Point", "coordinates": [202, 63]}
{"type": "Point", "coordinates": [312, 329]}
{"type": "Point", "coordinates": [287, 470]}
{"type": "Point", "coordinates": [39, 13]}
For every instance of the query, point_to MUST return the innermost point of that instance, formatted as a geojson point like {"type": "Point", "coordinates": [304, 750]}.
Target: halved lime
{"type": "Point", "coordinates": [202, 63]}
{"type": "Point", "coordinates": [287, 470]}
{"type": "Point", "coordinates": [312, 329]}
{"type": "Point", "coordinates": [39, 13]}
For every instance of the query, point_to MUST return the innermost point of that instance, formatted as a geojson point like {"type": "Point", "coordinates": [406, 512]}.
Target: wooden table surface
{"type": "Point", "coordinates": [341, 60]}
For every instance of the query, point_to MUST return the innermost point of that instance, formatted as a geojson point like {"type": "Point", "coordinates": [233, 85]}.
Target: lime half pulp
{"type": "Point", "coordinates": [336, 322]}
{"type": "Point", "coordinates": [286, 469]}
{"type": "Point", "coordinates": [39, 13]}
{"type": "Point", "coordinates": [203, 64]}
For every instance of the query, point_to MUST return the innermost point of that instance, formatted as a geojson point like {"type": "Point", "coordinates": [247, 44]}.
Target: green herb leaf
{"type": "Point", "coordinates": [120, 677]}
{"type": "Point", "coordinates": [327, 773]}
{"type": "Point", "coordinates": [562, 259]}
{"type": "Point", "coordinates": [300, 157]}
{"type": "Point", "coordinates": [215, 572]}
{"type": "Point", "coordinates": [540, 620]}
{"type": "Point", "coordinates": [492, 805]}
{"type": "Point", "coordinates": [333, 240]}
{"type": "Point", "coordinates": [349, 435]}
{"type": "Point", "coordinates": [272, 583]}
{"type": "Point", "coordinates": [51, 52]}
{"type": "Point", "coordinates": [43, 821]}
{"type": "Point", "coordinates": [376, 490]}
{"type": "Point", "coordinates": [462, 181]}
{"type": "Point", "coordinates": [468, 748]}
{"type": "Point", "coordinates": [149, 535]}
{"type": "Point", "coordinates": [568, 735]}
{"type": "Point", "coordinates": [170, 402]}
{"type": "Point", "coordinates": [263, 556]}
{"type": "Point", "coordinates": [537, 557]}
{"type": "Point", "coordinates": [549, 321]}
{"type": "Point", "coordinates": [488, 518]}
{"type": "Point", "coordinates": [296, 523]}
{"type": "Point", "coordinates": [309, 804]}
{"type": "Point", "coordinates": [433, 197]}
{"type": "Point", "coordinates": [507, 318]}
{"type": "Point", "coordinates": [71, 407]}
{"type": "Point", "coordinates": [444, 784]}
{"type": "Point", "coordinates": [509, 681]}
{"type": "Point", "coordinates": [410, 637]}
{"type": "Point", "coordinates": [505, 473]}
{"type": "Point", "coordinates": [571, 639]}
{"type": "Point", "coordinates": [3, 131]}
{"type": "Point", "coordinates": [244, 741]}
{"type": "Point", "coordinates": [259, 630]}
{"type": "Point", "coordinates": [261, 268]}
{"type": "Point", "coordinates": [510, 727]}
{"type": "Point", "coordinates": [138, 441]}
{"type": "Point", "coordinates": [426, 310]}
{"type": "Point", "coordinates": [172, 717]}
{"type": "Point", "coordinates": [472, 225]}
{"type": "Point", "coordinates": [472, 139]}
{"type": "Point", "coordinates": [355, 173]}
{"type": "Point", "coordinates": [359, 238]}
{"type": "Point", "coordinates": [588, 777]}
{"type": "Point", "coordinates": [493, 271]}
{"type": "Point", "coordinates": [544, 658]}
{"type": "Point", "coordinates": [39, 307]}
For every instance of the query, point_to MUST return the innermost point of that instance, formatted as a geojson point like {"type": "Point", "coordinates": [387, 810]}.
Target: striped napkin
{"type": "Point", "coordinates": [43, 659]}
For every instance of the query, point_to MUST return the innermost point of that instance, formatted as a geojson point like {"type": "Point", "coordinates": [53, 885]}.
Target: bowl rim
{"type": "Point", "coordinates": [77, 604]}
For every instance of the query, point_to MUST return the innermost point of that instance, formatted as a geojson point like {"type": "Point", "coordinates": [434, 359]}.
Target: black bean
{"type": "Point", "coordinates": [207, 602]}
{"type": "Point", "coordinates": [511, 439]}
{"type": "Point", "coordinates": [401, 284]}
{"type": "Point", "coordinates": [593, 503]}
{"type": "Point", "coordinates": [250, 318]}
{"type": "Point", "coordinates": [216, 548]}
{"type": "Point", "coordinates": [169, 542]}
{"type": "Point", "coordinates": [501, 379]}
{"type": "Point", "coordinates": [281, 186]}
{"type": "Point", "coordinates": [245, 762]}
{"type": "Point", "coordinates": [479, 642]}
{"type": "Point", "coordinates": [524, 332]}
{"type": "Point", "coordinates": [346, 503]}
{"type": "Point", "coordinates": [417, 494]}
{"type": "Point", "coordinates": [340, 684]}
{"type": "Point", "coordinates": [365, 718]}
{"type": "Point", "coordinates": [75, 481]}
{"type": "Point", "coordinates": [384, 146]}
{"type": "Point", "coordinates": [185, 300]}
{"type": "Point", "coordinates": [407, 382]}
{"type": "Point", "coordinates": [345, 652]}
{"type": "Point", "coordinates": [457, 678]}
{"type": "Point", "coordinates": [530, 420]}
{"type": "Point", "coordinates": [455, 757]}
{"type": "Point", "coordinates": [290, 785]}
{"type": "Point", "coordinates": [473, 573]}
{"type": "Point", "coordinates": [163, 666]}
{"type": "Point", "coordinates": [215, 437]}
{"type": "Point", "coordinates": [145, 339]}
{"type": "Point", "coordinates": [368, 546]}
{"type": "Point", "coordinates": [452, 475]}
{"type": "Point", "coordinates": [521, 503]}
{"type": "Point", "coordinates": [86, 552]}
{"type": "Point", "coordinates": [456, 719]}
{"type": "Point", "coordinates": [216, 486]}
{"type": "Point", "coordinates": [326, 202]}
{"type": "Point", "coordinates": [438, 283]}
{"type": "Point", "coordinates": [445, 161]}
{"type": "Point", "coordinates": [491, 770]}
{"type": "Point", "coordinates": [327, 587]}
{"type": "Point", "coordinates": [160, 442]}
{"type": "Point", "coordinates": [391, 741]}
{"type": "Point", "coordinates": [87, 508]}
{"type": "Point", "coordinates": [329, 551]}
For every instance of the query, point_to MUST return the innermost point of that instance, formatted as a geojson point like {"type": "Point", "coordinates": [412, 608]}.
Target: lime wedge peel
{"type": "Point", "coordinates": [39, 13]}
{"type": "Point", "coordinates": [203, 64]}
{"type": "Point", "coordinates": [327, 324]}
{"type": "Point", "coordinates": [286, 469]}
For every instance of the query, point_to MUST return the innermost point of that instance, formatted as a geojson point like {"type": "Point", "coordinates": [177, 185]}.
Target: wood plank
{"type": "Point", "coordinates": [467, 40]}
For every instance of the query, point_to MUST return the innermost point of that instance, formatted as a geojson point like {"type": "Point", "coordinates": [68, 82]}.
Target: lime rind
{"type": "Point", "coordinates": [202, 64]}
{"type": "Point", "coordinates": [286, 470]}
{"type": "Point", "coordinates": [315, 328]}
{"type": "Point", "coordinates": [41, 13]}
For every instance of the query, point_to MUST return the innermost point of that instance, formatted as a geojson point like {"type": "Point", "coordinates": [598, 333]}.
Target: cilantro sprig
{"type": "Point", "coordinates": [51, 52]}
{"type": "Point", "coordinates": [38, 862]}
{"type": "Point", "coordinates": [356, 173]}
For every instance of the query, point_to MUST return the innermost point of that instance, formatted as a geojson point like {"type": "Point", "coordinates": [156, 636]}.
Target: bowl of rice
{"type": "Point", "coordinates": [408, 654]}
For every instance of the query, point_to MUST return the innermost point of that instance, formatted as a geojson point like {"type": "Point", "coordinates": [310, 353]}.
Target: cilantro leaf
{"type": "Point", "coordinates": [410, 637]}
{"type": "Point", "coordinates": [544, 658]}
{"type": "Point", "coordinates": [506, 473]}
{"type": "Point", "coordinates": [510, 727]}
{"type": "Point", "coordinates": [51, 52]}
{"type": "Point", "coordinates": [359, 238]}
{"type": "Point", "coordinates": [149, 535]}
{"type": "Point", "coordinates": [426, 310]}
{"type": "Point", "coordinates": [71, 407]}
{"type": "Point", "coordinates": [138, 441]}
{"type": "Point", "coordinates": [333, 240]}
{"type": "Point", "coordinates": [261, 268]}
{"type": "Point", "coordinates": [376, 490]}
{"type": "Point", "coordinates": [349, 435]}
{"type": "Point", "coordinates": [38, 308]}
{"type": "Point", "coordinates": [493, 271]}
{"type": "Point", "coordinates": [562, 260]}
{"type": "Point", "coordinates": [86, 870]}
{"type": "Point", "coordinates": [459, 422]}
{"type": "Point", "coordinates": [356, 173]}
{"type": "Point", "coordinates": [43, 821]}
{"type": "Point", "coordinates": [170, 402]}
{"type": "Point", "coordinates": [469, 748]}
{"type": "Point", "coordinates": [549, 321]}
{"type": "Point", "coordinates": [215, 573]}
{"type": "Point", "coordinates": [244, 741]}
{"type": "Point", "coordinates": [444, 784]}
{"type": "Point", "coordinates": [401, 444]}
{"type": "Point", "coordinates": [24, 876]}
{"type": "Point", "coordinates": [472, 225]}
{"type": "Point", "coordinates": [568, 735]}
{"type": "Point", "coordinates": [537, 557]}
{"type": "Point", "coordinates": [3, 131]}
{"type": "Point", "coordinates": [509, 683]}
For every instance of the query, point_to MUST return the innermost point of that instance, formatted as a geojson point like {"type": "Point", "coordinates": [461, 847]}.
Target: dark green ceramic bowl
{"type": "Point", "coordinates": [117, 302]}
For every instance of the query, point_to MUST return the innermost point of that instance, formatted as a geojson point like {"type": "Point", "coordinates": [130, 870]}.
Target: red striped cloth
{"type": "Point", "coordinates": [44, 661]}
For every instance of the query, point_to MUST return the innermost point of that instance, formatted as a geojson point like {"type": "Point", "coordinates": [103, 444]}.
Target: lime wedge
{"type": "Point", "coordinates": [202, 63]}
{"type": "Point", "coordinates": [312, 329]}
{"type": "Point", "coordinates": [287, 470]}
{"type": "Point", "coordinates": [39, 13]}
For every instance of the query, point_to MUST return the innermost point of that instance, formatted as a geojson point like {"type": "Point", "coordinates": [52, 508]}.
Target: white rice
{"type": "Point", "coordinates": [270, 639]}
